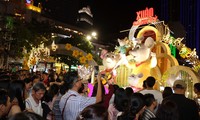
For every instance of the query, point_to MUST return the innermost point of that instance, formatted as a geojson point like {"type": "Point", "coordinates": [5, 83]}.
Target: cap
{"type": "Point", "coordinates": [180, 84]}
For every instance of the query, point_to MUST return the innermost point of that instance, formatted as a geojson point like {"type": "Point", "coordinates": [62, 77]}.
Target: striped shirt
{"type": "Point", "coordinates": [147, 114]}
{"type": "Point", "coordinates": [75, 104]}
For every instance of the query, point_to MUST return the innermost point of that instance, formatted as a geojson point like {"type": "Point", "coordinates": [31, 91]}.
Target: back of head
{"type": "Point", "coordinates": [150, 81]}
{"type": "Point", "coordinates": [136, 104]}
{"type": "Point", "coordinates": [121, 100]}
{"type": "Point", "coordinates": [179, 84]}
{"type": "Point", "coordinates": [70, 78]}
{"type": "Point", "coordinates": [129, 91]}
{"type": "Point", "coordinates": [94, 112]}
{"type": "Point", "coordinates": [26, 116]}
{"type": "Point", "coordinates": [149, 99]}
{"type": "Point", "coordinates": [167, 92]}
{"type": "Point", "coordinates": [168, 111]}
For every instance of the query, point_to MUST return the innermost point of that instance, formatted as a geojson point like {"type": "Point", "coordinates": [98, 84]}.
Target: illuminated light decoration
{"type": "Point", "coordinates": [54, 46]}
{"type": "Point", "coordinates": [145, 17]}
{"type": "Point", "coordinates": [34, 8]}
{"type": "Point", "coordinates": [29, 1]}
{"type": "Point", "coordinates": [38, 54]}
{"type": "Point", "coordinates": [86, 10]}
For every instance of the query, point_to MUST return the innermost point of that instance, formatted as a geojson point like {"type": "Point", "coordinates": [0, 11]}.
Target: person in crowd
{"type": "Point", "coordinates": [45, 79]}
{"type": "Point", "coordinates": [54, 93]}
{"type": "Point", "coordinates": [129, 91]}
{"type": "Point", "coordinates": [33, 102]}
{"type": "Point", "coordinates": [150, 82]}
{"type": "Point", "coordinates": [135, 109]}
{"type": "Point", "coordinates": [83, 90]}
{"type": "Point", "coordinates": [26, 116]}
{"type": "Point", "coordinates": [167, 111]}
{"type": "Point", "coordinates": [188, 109]}
{"type": "Point", "coordinates": [47, 112]}
{"type": "Point", "coordinates": [28, 85]}
{"type": "Point", "coordinates": [4, 84]}
{"type": "Point", "coordinates": [197, 92]}
{"type": "Point", "coordinates": [4, 100]}
{"type": "Point", "coordinates": [151, 104]}
{"type": "Point", "coordinates": [72, 103]}
{"type": "Point", "coordinates": [167, 92]}
{"type": "Point", "coordinates": [56, 109]}
{"type": "Point", "coordinates": [115, 87]}
{"type": "Point", "coordinates": [35, 79]}
{"type": "Point", "coordinates": [16, 94]}
{"type": "Point", "coordinates": [94, 112]}
{"type": "Point", "coordinates": [120, 104]}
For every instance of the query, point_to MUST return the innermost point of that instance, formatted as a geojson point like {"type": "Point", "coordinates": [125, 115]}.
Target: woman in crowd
{"type": "Point", "coordinates": [16, 94]}
{"type": "Point", "coordinates": [135, 108]}
{"type": "Point", "coordinates": [28, 85]}
{"type": "Point", "coordinates": [120, 104]}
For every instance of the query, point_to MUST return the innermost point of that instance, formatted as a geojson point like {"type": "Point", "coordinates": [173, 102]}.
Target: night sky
{"type": "Point", "coordinates": [110, 16]}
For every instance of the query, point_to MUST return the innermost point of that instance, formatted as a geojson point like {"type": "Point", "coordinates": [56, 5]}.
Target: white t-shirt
{"type": "Point", "coordinates": [31, 104]}
{"type": "Point", "coordinates": [157, 94]}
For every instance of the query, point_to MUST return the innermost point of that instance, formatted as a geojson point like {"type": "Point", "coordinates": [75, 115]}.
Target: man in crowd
{"type": "Point", "coordinates": [151, 104]}
{"type": "Point", "coordinates": [72, 103]}
{"type": "Point", "coordinates": [188, 109]}
{"type": "Point", "coordinates": [150, 82]}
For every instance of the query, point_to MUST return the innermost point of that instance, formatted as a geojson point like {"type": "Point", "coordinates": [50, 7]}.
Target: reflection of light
{"type": "Point", "coordinates": [88, 37]}
{"type": "Point", "coordinates": [28, 1]}
{"type": "Point", "coordinates": [94, 34]}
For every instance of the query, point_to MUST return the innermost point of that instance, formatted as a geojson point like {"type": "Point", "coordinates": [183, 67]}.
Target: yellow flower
{"type": "Point", "coordinates": [89, 56]}
{"type": "Point", "coordinates": [81, 53]}
{"type": "Point", "coordinates": [68, 46]}
{"type": "Point", "coordinates": [75, 53]}
{"type": "Point", "coordinates": [82, 60]}
{"type": "Point", "coordinates": [86, 65]}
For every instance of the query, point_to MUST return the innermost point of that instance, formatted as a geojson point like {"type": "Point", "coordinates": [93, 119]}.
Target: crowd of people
{"type": "Point", "coordinates": [52, 96]}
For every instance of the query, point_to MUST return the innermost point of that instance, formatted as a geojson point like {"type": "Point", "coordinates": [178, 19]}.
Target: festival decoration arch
{"type": "Point", "coordinates": [83, 57]}
{"type": "Point", "coordinates": [181, 72]}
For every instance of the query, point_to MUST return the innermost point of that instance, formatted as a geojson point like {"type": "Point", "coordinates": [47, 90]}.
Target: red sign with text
{"type": "Point", "coordinates": [145, 16]}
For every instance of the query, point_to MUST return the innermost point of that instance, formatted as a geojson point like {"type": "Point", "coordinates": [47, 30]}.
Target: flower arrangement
{"type": "Point", "coordinates": [83, 59]}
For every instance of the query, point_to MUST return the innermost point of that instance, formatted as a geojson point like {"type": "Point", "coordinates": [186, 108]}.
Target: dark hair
{"type": "Point", "coordinates": [16, 90]}
{"type": "Point", "coordinates": [39, 86]}
{"type": "Point", "coordinates": [94, 112]}
{"type": "Point", "coordinates": [167, 92]}
{"type": "Point", "coordinates": [136, 104]}
{"type": "Point", "coordinates": [70, 78]}
{"type": "Point", "coordinates": [121, 100]}
{"type": "Point", "coordinates": [150, 81]}
{"type": "Point", "coordinates": [197, 86]}
{"type": "Point", "coordinates": [144, 84]}
{"type": "Point", "coordinates": [129, 91]}
{"type": "Point", "coordinates": [81, 89]}
{"type": "Point", "coordinates": [63, 89]}
{"type": "Point", "coordinates": [4, 84]}
{"type": "Point", "coordinates": [115, 86]}
{"type": "Point", "coordinates": [3, 96]}
{"type": "Point", "coordinates": [149, 99]}
{"type": "Point", "coordinates": [26, 116]}
{"type": "Point", "coordinates": [53, 90]}
{"type": "Point", "coordinates": [28, 80]}
{"type": "Point", "coordinates": [168, 111]}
